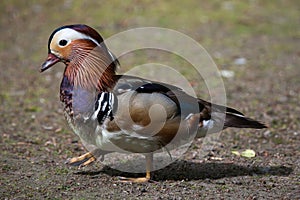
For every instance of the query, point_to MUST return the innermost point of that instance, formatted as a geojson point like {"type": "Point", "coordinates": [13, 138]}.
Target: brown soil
{"type": "Point", "coordinates": [35, 140]}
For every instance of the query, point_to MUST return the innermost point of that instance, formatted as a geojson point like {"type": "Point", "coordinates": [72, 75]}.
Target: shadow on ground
{"type": "Point", "coordinates": [185, 170]}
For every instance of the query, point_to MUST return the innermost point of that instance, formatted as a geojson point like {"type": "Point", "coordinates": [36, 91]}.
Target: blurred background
{"type": "Point", "coordinates": [254, 43]}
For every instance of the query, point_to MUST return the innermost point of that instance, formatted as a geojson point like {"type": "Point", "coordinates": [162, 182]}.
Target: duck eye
{"type": "Point", "coordinates": [62, 42]}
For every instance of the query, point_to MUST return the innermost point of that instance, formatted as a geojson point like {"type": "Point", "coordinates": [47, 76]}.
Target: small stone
{"type": "Point", "coordinates": [227, 73]}
{"type": "Point", "coordinates": [240, 61]}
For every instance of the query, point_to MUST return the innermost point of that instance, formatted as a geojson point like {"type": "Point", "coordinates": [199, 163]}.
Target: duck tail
{"type": "Point", "coordinates": [240, 121]}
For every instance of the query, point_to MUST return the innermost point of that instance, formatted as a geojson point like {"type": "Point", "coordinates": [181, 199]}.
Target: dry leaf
{"type": "Point", "coordinates": [248, 153]}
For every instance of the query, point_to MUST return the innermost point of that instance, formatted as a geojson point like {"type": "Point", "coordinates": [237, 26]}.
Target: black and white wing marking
{"type": "Point", "coordinates": [105, 103]}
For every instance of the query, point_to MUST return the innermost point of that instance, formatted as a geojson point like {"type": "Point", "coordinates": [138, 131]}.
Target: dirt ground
{"type": "Point", "coordinates": [35, 140]}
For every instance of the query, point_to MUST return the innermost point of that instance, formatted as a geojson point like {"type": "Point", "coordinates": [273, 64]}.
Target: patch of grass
{"type": "Point", "coordinates": [278, 140]}
{"type": "Point", "coordinates": [61, 171]}
{"type": "Point", "coordinates": [32, 109]}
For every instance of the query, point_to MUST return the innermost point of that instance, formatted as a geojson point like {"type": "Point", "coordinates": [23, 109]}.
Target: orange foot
{"type": "Point", "coordinates": [82, 160]}
{"type": "Point", "coordinates": [149, 161]}
{"type": "Point", "coordinates": [134, 180]}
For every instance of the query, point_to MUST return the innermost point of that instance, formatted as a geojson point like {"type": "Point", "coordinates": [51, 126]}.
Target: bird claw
{"type": "Point", "coordinates": [81, 161]}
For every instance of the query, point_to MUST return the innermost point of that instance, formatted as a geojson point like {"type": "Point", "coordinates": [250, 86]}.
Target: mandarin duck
{"type": "Point", "coordinates": [112, 113]}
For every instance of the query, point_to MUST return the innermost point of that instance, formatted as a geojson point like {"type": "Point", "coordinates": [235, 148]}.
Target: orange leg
{"type": "Point", "coordinates": [149, 163]}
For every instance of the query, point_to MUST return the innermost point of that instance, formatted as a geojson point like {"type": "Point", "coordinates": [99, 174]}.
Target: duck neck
{"type": "Point", "coordinates": [91, 71]}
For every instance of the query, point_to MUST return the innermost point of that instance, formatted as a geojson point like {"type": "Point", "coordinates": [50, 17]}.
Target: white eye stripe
{"type": "Point", "coordinates": [70, 34]}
